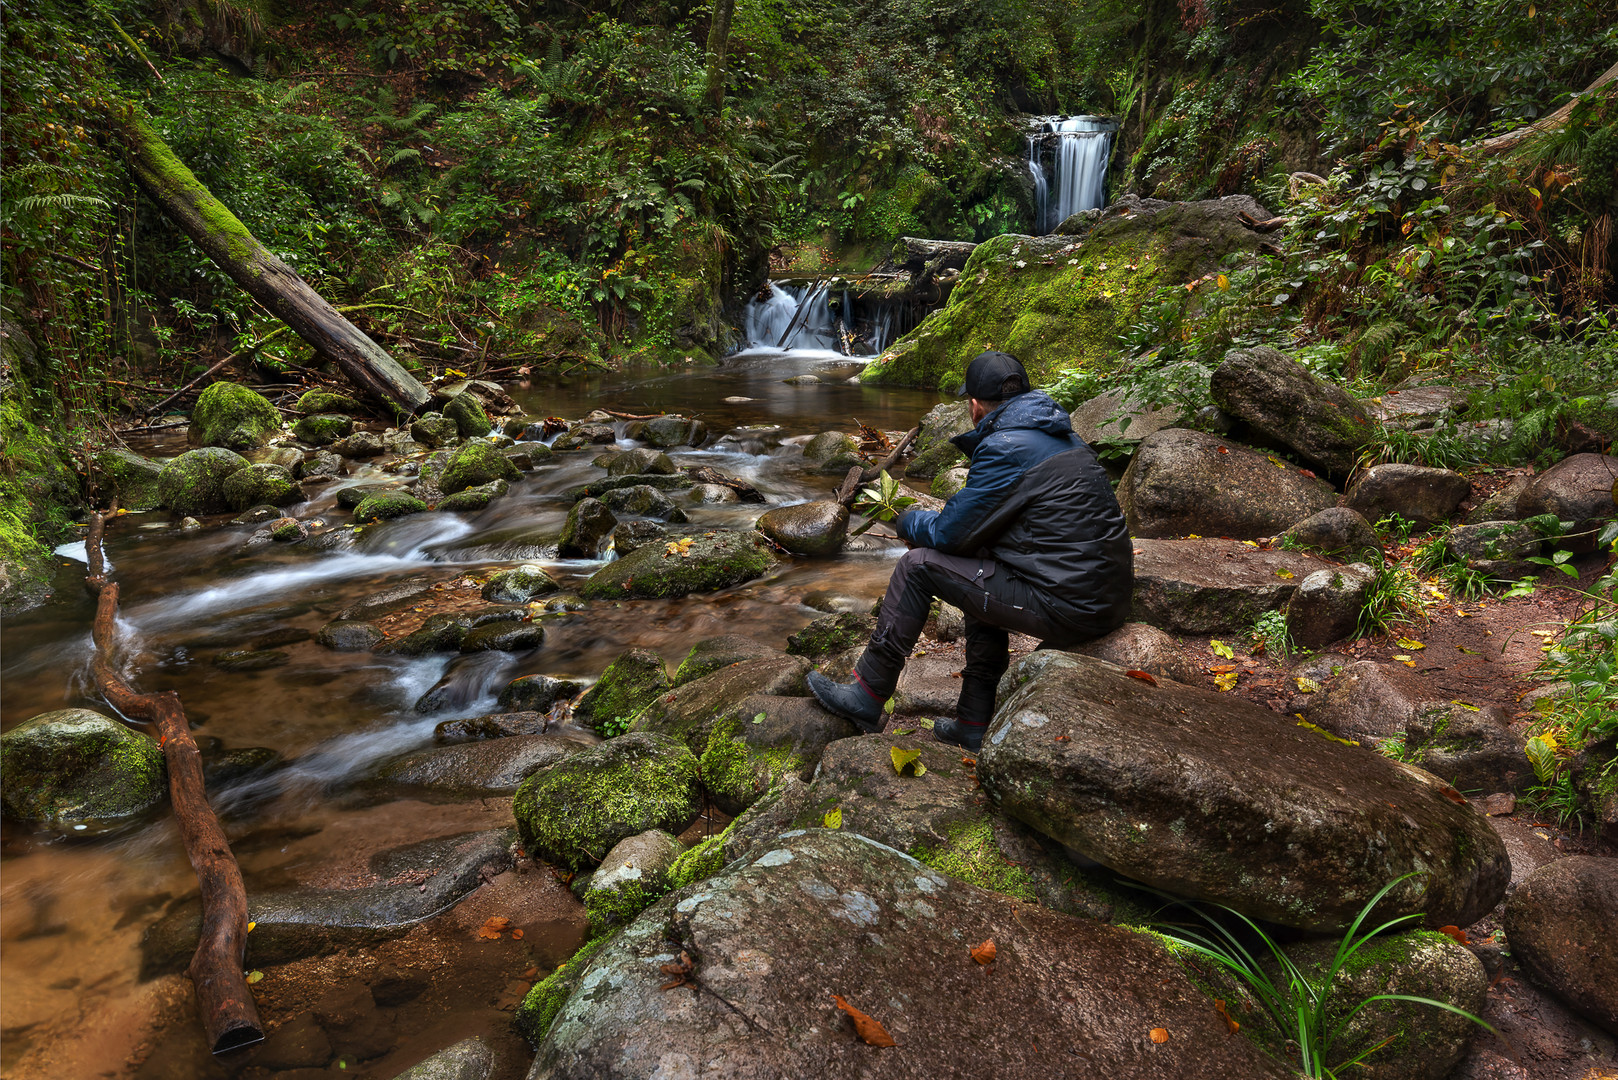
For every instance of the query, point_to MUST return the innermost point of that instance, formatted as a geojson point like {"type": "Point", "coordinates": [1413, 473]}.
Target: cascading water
{"type": "Point", "coordinates": [810, 315]}
{"type": "Point", "coordinates": [1079, 168]}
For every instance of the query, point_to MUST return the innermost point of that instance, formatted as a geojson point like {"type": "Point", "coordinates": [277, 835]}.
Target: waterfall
{"type": "Point", "coordinates": [1079, 172]}
{"type": "Point", "coordinates": [767, 318]}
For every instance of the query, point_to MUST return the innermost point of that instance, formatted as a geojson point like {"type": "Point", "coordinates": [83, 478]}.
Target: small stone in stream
{"type": "Point", "coordinates": [469, 1059]}
{"type": "Point", "coordinates": [189, 524]}
{"type": "Point", "coordinates": [261, 485]}
{"type": "Point", "coordinates": [438, 633]}
{"type": "Point", "coordinates": [318, 463]}
{"type": "Point", "coordinates": [831, 634]}
{"type": "Point", "coordinates": [643, 501]}
{"type": "Point", "coordinates": [712, 495]}
{"type": "Point", "coordinates": [518, 585]}
{"type": "Point", "coordinates": [350, 497]}
{"type": "Point", "coordinates": [194, 482]}
{"type": "Point", "coordinates": [803, 380]}
{"type": "Point", "coordinates": [474, 464]}
{"type": "Point", "coordinates": [470, 419]}
{"type": "Point", "coordinates": [344, 635]}
{"type": "Point", "coordinates": [632, 681]}
{"type": "Point", "coordinates": [1327, 605]}
{"type": "Point", "coordinates": [711, 654]}
{"type": "Point", "coordinates": [494, 726]}
{"type": "Point", "coordinates": [504, 636]}
{"type": "Point", "coordinates": [630, 536]}
{"type": "Point", "coordinates": [1500, 804]}
{"type": "Point", "coordinates": [1336, 530]}
{"type": "Point", "coordinates": [405, 594]}
{"type": "Point", "coordinates": [434, 430]}
{"type": "Point", "coordinates": [537, 693]}
{"type": "Point", "coordinates": [386, 507]}
{"type": "Point", "coordinates": [812, 529]}
{"type": "Point", "coordinates": [565, 602]}
{"type": "Point", "coordinates": [633, 875]}
{"type": "Point", "coordinates": [485, 616]}
{"type": "Point", "coordinates": [232, 416]}
{"type": "Point", "coordinates": [1414, 492]}
{"type": "Point", "coordinates": [474, 498]}
{"type": "Point", "coordinates": [322, 428]}
{"type": "Point", "coordinates": [670, 431]}
{"type": "Point", "coordinates": [249, 659]}
{"type": "Point", "coordinates": [641, 460]}
{"type": "Point", "coordinates": [320, 400]}
{"type": "Point", "coordinates": [75, 764]}
{"type": "Point", "coordinates": [361, 444]}
{"type": "Point", "coordinates": [256, 514]}
{"type": "Point", "coordinates": [712, 561]}
{"type": "Point", "coordinates": [1561, 924]}
{"type": "Point", "coordinates": [588, 524]}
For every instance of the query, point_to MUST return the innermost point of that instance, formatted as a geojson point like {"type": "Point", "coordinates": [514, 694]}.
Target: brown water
{"type": "Point", "coordinates": [73, 905]}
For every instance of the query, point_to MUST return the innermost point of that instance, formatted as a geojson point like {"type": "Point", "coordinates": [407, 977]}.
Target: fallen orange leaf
{"type": "Point", "coordinates": [984, 954]}
{"type": "Point", "coordinates": [1143, 676]}
{"type": "Point", "coordinates": [1160, 1035]}
{"type": "Point", "coordinates": [1219, 1007]}
{"type": "Point", "coordinates": [868, 1028]}
{"type": "Point", "coordinates": [493, 927]}
{"type": "Point", "coordinates": [516, 935]}
{"type": "Point", "coordinates": [1457, 933]}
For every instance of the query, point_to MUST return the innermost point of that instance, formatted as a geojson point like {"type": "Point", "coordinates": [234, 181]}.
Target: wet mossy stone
{"type": "Point", "coordinates": [386, 507]}
{"type": "Point", "coordinates": [504, 636]}
{"type": "Point", "coordinates": [483, 766]}
{"type": "Point", "coordinates": [588, 524]}
{"type": "Point", "coordinates": [630, 536]}
{"type": "Point", "coordinates": [633, 875]}
{"type": "Point", "coordinates": [537, 693]}
{"type": "Point", "coordinates": [130, 477]}
{"type": "Point", "coordinates": [831, 634]}
{"type": "Point", "coordinates": [233, 416]}
{"type": "Point", "coordinates": [828, 445]}
{"type": "Point", "coordinates": [475, 498]}
{"type": "Point", "coordinates": [596, 489]}
{"type": "Point", "coordinates": [360, 444]}
{"type": "Point", "coordinates": [689, 711]}
{"type": "Point", "coordinates": [643, 500]}
{"type": "Point", "coordinates": [349, 635]}
{"type": "Point", "coordinates": [641, 460]}
{"type": "Point", "coordinates": [194, 482]}
{"type": "Point", "coordinates": [572, 813]}
{"type": "Point", "coordinates": [667, 431]}
{"type": "Point", "coordinates": [711, 654]}
{"type": "Point", "coordinates": [327, 401]}
{"type": "Point", "coordinates": [77, 765]}
{"type": "Point", "coordinates": [538, 1010]}
{"type": "Point", "coordinates": [470, 419]}
{"type": "Point", "coordinates": [934, 451]}
{"type": "Point", "coordinates": [317, 463]}
{"type": "Point", "coordinates": [470, 1059]}
{"type": "Point", "coordinates": [812, 529]}
{"type": "Point", "coordinates": [322, 428]}
{"type": "Point", "coordinates": [261, 485]}
{"type": "Point", "coordinates": [761, 739]}
{"type": "Point", "coordinates": [350, 497]}
{"type": "Point", "coordinates": [519, 585]}
{"type": "Point", "coordinates": [714, 561]}
{"type": "Point", "coordinates": [434, 430]}
{"type": "Point", "coordinates": [949, 482]}
{"type": "Point", "coordinates": [473, 464]}
{"type": "Point", "coordinates": [629, 684]}
{"type": "Point", "coordinates": [439, 633]}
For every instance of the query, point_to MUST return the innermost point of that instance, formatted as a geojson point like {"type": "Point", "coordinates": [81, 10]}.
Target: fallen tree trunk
{"type": "Point", "coordinates": [1510, 140]}
{"type": "Point", "coordinates": [223, 999]}
{"type": "Point", "coordinates": [914, 254]}
{"type": "Point", "coordinates": [263, 276]}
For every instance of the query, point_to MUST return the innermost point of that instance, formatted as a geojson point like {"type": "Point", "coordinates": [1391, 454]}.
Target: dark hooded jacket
{"type": "Point", "coordinates": [1038, 502]}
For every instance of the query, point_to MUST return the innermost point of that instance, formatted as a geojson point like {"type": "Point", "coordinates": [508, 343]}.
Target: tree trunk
{"type": "Point", "coordinates": [718, 45]}
{"type": "Point", "coordinates": [1501, 143]}
{"type": "Point", "coordinates": [260, 273]}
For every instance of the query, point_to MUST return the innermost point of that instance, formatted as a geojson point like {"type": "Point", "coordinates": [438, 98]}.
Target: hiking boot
{"type": "Point", "coordinates": [957, 733]}
{"type": "Point", "coordinates": [849, 700]}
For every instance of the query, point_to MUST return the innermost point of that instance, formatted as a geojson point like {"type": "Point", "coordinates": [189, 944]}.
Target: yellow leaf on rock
{"type": "Point", "coordinates": [1402, 658]}
{"type": "Point", "coordinates": [906, 759]}
{"type": "Point", "coordinates": [1306, 684]}
{"type": "Point", "coordinates": [255, 976]}
{"type": "Point", "coordinates": [1286, 574]}
{"type": "Point", "coordinates": [1226, 681]}
{"type": "Point", "coordinates": [833, 818]}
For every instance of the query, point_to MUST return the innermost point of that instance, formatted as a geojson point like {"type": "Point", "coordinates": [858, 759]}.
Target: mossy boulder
{"type": "Point", "coordinates": [434, 430]}
{"type": "Point", "coordinates": [537, 693]}
{"type": "Point", "coordinates": [574, 812]}
{"type": "Point", "coordinates": [761, 739]}
{"type": "Point", "coordinates": [713, 561]}
{"type": "Point", "coordinates": [76, 765]}
{"type": "Point", "coordinates": [630, 536]}
{"type": "Point", "coordinates": [539, 1008]}
{"type": "Point", "coordinates": [588, 525]}
{"type": "Point", "coordinates": [1060, 302]}
{"type": "Point", "coordinates": [711, 654]}
{"type": "Point", "coordinates": [194, 482]}
{"type": "Point", "coordinates": [233, 416]}
{"type": "Point", "coordinates": [934, 451]}
{"type": "Point", "coordinates": [261, 485]}
{"type": "Point", "coordinates": [949, 482]}
{"type": "Point", "coordinates": [830, 446]}
{"type": "Point", "coordinates": [629, 684]}
{"type": "Point", "coordinates": [832, 634]}
{"type": "Point", "coordinates": [691, 710]}
{"type": "Point", "coordinates": [470, 419]}
{"type": "Point", "coordinates": [327, 401]}
{"type": "Point", "coordinates": [474, 464]}
{"type": "Point", "coordinates": [130, 477]}
{"type": "Point", "coordinates": [633, 875]}
{"type": "Point", "coordinates": [1278, 396]}
{"type": "Point", "coordinates": [519, 585]}
{"type": "Point", "coordinates": [643, 500]}
{"type": "Point", "coordinates": [387, 506]}
{"type": "Point", "coordinates": [40, 487]}
{"type": "Point", "coordinates": [641, 460]}
{"type": "Point", "coordinates": [322, 428]}
{"type": "Point", "coordinates": [812, 529]}
{"type": "Point", "coordinates": [475, 498]}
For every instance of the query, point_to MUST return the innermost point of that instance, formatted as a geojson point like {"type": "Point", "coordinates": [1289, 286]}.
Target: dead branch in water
{"type": "Point", "coordinates": [226, 1004]}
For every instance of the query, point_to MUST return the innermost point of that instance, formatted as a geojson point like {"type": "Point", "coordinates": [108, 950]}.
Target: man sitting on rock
{"type": "Point", "coordinates": [1035, 543]}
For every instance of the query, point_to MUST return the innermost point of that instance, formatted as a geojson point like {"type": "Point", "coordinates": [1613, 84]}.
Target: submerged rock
{"type": "Point", "coordinates": [349, 635]}
{"type": "Point", "coordinates": [812, 528]}
{"type": "Point", "coordinates": [194, 482]}
{"type": "Point", "coordinates": [1210, 797]}
{"type": "Point", "coordinates": [233, 416]}
{"type": "Point", "coordinates": [469, 1059]}
{"type": "Point", "coordinates": [74, 765]}
{"type": "Point", "coordinates": [1561, 924]}
{"type": "Point", "coordinates": [715, 560]}
{"type": "Point", "coordinates": [437, 633]}
{"type": "Point", "coordinates": [1278, 396]}
{"type": "Point", "coordinates": [485, 767]}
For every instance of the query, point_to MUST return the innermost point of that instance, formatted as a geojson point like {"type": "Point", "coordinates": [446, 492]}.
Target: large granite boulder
{"type": "Point", "coordinates": [233, 416]}
{"type": "Point", "coordinates": [1286, 401]}
{"type": "Point", "coordinates": [710, 654]}
{"type": "Point", "coordinates": [824, 913]}
{"type": "Point", "coordinates": [1562, 925]}
{"type": "Point", "coordinates": [194, 482]}
{"type": "Point", "coordinates": [633, 875]}
{"type": "Point", "coordinates": [261, 485]}
{"type": "Point", "coordinates": [811, 528]}
{"type": "Point", "coordinates": [74, 765]}
{"type": "Point", "coordinates": [934, 453]}
{"type": "Point", "coordinates": [1213, 586]}
{"type": "Point", "coordinates": [1183, 482]}
{"type": "Point", "coordinates": [712, 561]}
{"type": "Point", "coordinates": [1582, 489]}
{"type": "Point", "coordinates": [130, 477]}
{"type": "Point", "coordinates": [1207, 796]}
{"type": "Point", "coordinates": [689, 711]}
{"type": "Point", "coordinates": [1414, 492]}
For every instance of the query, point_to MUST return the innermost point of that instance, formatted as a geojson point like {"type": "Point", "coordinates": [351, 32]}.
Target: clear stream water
{"type": "Point", "coordinates": [73, 905]}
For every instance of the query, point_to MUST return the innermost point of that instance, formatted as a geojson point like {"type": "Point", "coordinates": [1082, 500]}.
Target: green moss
{"type": "Point", "coordinates": [233, 416]}
{"type": "Point", "coordinates": [630, 683]}
{"type": "Point", "coordinates": [322, 428]}
{"type": "Point", "coordinates": [475, 464]}
{"type": "Point", "coordinates": [736, 774]}
{"type": "Point", "coordinates": [467, 412]}
{"type": "Point", "coordinates": [386, 506]}
{"type": "Point", "coordinates": [327, 401]}
{"type": "Point", "coordinates": [194, 482]}
{"type": "Point", "coordinates": [971, 855]}
{"type": "Point", "coordinates": [538, 1010]}
{"type": "Point", "coordinates": [700, 862]}
{"type": "Point", "coordinates": [610, 908]}
{"type": "Point", "coordinates": [159, 165]}
{"type": "Point", "coordinates": [832, 634]}
{"type": "Point", "coordinates": [261, 484]}
{"type": "Point", "coordinates": [74, 764]}
{"type": "Point", "coordinates": [716, 560]}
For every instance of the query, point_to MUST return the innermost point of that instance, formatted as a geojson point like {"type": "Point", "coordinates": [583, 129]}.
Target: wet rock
{"type": "Point", "coordinates": [194, 482]}
{"type": "Point", "coordinates": [287, 530]}
{"type": "Point", "coordinates": [1582, 489]}
{"type": "Point", "coordinates": [322, 428]}
{"type": "Point", "coordinates": [598, 488]}
{"type": "Point", "coordinates": [949, 482]}
{"type": "Point", "coordinates": [641, 460]}
{"type": "Point", "coordinates": [630, 682]}
{"type": "Point", "coordinates": [350, 497]}
{"type": "Point", "coordinates": [493, 726]}
{"type": "Point", "coordinates": [573, 812]}
{"type": "Point", "coordinates": [1414, 492]}
{"type": "Point", "coordinates": [1495, 549]}
{"type": "Point", "coordinates": [1562, 925]}
{"type": "Point", "coordinates": [711, 654]}
{"type": "Point", "coordinates": [469, 1059]}
{"type": "Point", "coordinates": [1337, 530]}
{"type": "Point", "coordinates": [474, 498]}
{"type": "Point", "coordinates": [669, 431]}
{"type": "Point", "coordinates": [803, 380]}
{"type": "Point", "coordinates": [285, 456]}
{"type": "Point", "coordinates": [643, 500]}
{"type": "Point", "coordinates": [1280, 397]}
{"type": "Point", "coordinates": [74, 765]}
{"type": "Point", "coordinates": [825, 909]}
{"type": "Point", "coordinates": [538, 693]}
{"type": "Point", "coordinates": [434, 430]}
{"type": "Point", "coordinates": [470, 419]}
{"type": "Point", "coordinates": [1184, 482]}
{"type": "Point", "coordinates": [631, 536]}
{"type": "Point", "coordinates": [834, 603]}
{"type": "Point", "coordinates": [1139, 647]}
{"type": "Point", "coordinates": [475, 464]}
{"type": "Point", "coordinates": [411, 884]}
{"type": "Point", "coordinates": [1327, 605]}
{"type": "Point", "coordinates": [588, 524]}
{"type": "Point", "coordinates": [712, 495]}
{"type": "Point", "coordinates": [484, 767]}
{"type": "Point", "coordinates": [467, 678]}
{"type": "Point", "coordinates": [689, 711]}
{"type": "Point", "coordinates": [189, 524]}
{"type": "Point", "coordinates": [1210, 797]}
{"type": "Point", "coordinates": [754, 743]}
{"type": "Point", "coordinates": [504, 636]}
{"type": "Point", "coordinates": [233, 416]}
{"type": "Point", "coordinates": [396, 598]}
{"type": "Point", "coordinates": [257, 485]}
{"type": "Point", "coordinates": [318, 463]}
{"type": "Point", "coordinates": [934, 451]}
{"type": "Point", "coordinates": [1213, 586]}
{"type": "Point", "coordinates": [349, 635]}
{"type": "Point", "coordinates": [813, 528]}
{"type": "Point", "coordinates": [327, 401]}
{"type": "Point", "coordinates": [633, 875]}
{"type": "Point", "coordinates": [229, 766]}
{"type": "Point", "coordinates": [249, 659]}
{"type": "Point", "coordinates": [300, 1043]}
{"type": "Point", "coordinates": [437, 633]}
{"type": "Point", "coordinates": [519, 585]}
{"type": "Point", "coordinates": [387, 506]}
{"type": "Point", "coordinates": [830, 446]}
{"type": "Point", "coordinates": [1114, 417]}
{"type": "Point", "coordinates": [831, 634]}
{"type": "Point", "coordinates": [130, 478]}
{"type": "Point", "coordinates": [715, 560]}
{"type": "Point", "coordinates": [255, 515]}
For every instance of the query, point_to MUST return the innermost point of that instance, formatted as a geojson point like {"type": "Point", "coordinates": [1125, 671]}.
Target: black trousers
{"type": "Point", "coordinates": [995, 603]}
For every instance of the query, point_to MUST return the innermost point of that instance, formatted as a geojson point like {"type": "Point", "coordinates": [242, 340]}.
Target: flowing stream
{"type": "Point", "coordinates": [75, 903]}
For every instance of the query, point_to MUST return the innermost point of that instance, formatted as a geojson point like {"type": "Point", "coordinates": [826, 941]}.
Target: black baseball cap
{"type": "Point", "coordinates": [988, 372]}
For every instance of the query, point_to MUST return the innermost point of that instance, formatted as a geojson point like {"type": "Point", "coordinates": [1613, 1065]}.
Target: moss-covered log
{"type": "Point", "coordinates": [225, 240]}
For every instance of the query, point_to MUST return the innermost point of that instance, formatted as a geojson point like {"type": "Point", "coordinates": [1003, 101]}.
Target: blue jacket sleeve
{"type": "Point", "coordinates": [956, 529]}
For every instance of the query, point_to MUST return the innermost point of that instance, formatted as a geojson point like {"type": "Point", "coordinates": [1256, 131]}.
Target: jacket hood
{"type": "Point", "coordinates": [1032, 411]}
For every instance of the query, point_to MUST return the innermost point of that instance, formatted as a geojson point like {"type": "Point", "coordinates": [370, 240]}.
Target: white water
{"type": "Point", "coordinates": [766, 320]}
{"type": "Point", "coordinates": [1079, 173]}
{"type": "Point", "coordinates": [1042, 189]}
